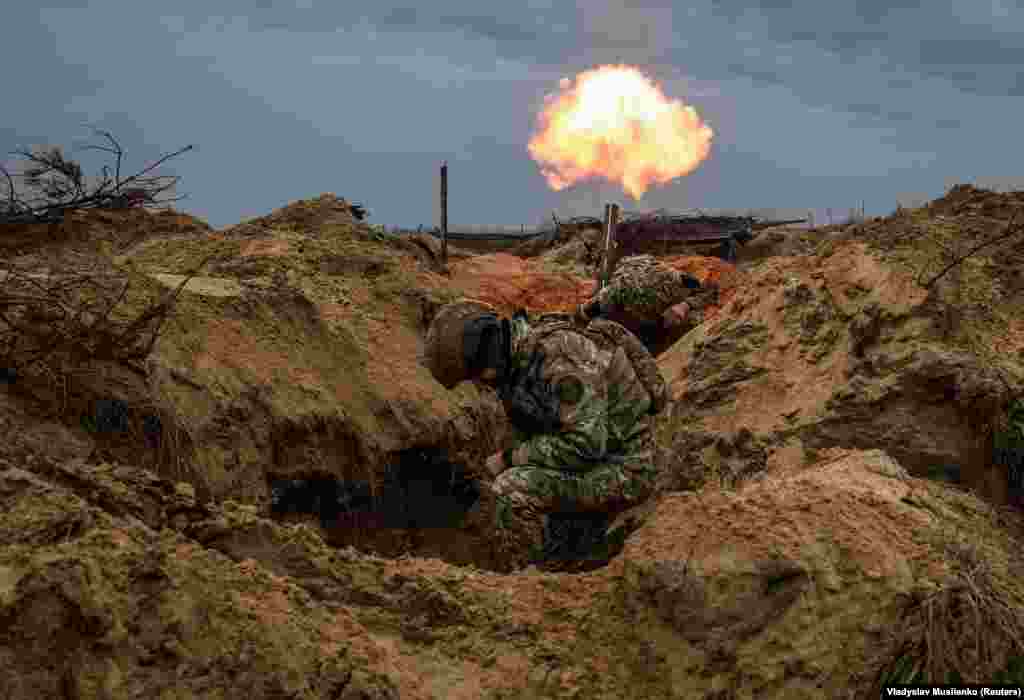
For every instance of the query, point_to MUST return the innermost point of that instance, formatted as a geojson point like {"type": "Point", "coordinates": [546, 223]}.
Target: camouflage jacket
{"type": "Point", "coordinates": [603, 404]}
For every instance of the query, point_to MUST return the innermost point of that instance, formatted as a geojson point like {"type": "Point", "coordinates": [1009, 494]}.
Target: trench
{"type": "Point", "coordinates": [422, 509]}
{"type": "Point", "coordinates": [418, 508]}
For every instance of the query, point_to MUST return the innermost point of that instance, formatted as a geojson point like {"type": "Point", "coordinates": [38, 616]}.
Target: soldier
{"type": "Point", "coordinates": [657, 303]}
{"type": "Point", "coordinates": [580, 399]}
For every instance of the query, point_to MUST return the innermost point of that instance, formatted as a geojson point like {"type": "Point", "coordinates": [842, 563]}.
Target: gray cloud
{"type": "Point", "coordinates": [813, 104]}
{"type": "Point", "coordinates": [482, 24]}
{"type": "Point", "coordinates": [402, 17]}
{"type": "Point", "coordinates": [767, 77]}
{"type": "Point", "coordinates": [976, 46]}
{"type": "Point", "coordinates": [855, 42]}
{"type": "Point", "coordinates": [871, 109]}
{"type": "Point", "coordinates": [489, 27]}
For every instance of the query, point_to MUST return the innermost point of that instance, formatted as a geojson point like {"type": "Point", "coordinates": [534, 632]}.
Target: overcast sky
{"type": "Point", "coordinates": [813, 104]}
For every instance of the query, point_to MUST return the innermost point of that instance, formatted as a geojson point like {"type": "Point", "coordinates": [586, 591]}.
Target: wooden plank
{"type": "Point", "coordinates": [444, 213]}
{"type": "Point", "coordinates": [611, 219]}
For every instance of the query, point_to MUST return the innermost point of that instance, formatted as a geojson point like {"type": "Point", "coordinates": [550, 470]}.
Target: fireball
{"type": "Point", "coordinates": [615, 123]}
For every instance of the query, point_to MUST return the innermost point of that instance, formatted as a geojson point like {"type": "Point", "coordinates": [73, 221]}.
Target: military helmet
{"type": "Point", "coordinates": [445, 349]}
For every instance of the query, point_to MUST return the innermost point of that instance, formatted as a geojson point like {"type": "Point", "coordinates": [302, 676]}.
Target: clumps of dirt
{"type": "Point", "coordinates": [786, 562]}
{"type": "Point", "coordinates": [982, 580]}
{"type": "Point", "coordinates": [95, 603]}
{"type": "Point", "coordinates": [142, 587]}
{"type": "Point", "coordinates": [709, 270]}
{"type": "Point", "coordinates": [857, 352]}
{"type": "Point", "coordinates": [572, 257]}
{"type": "Point", "coordinates": [975, 303]}
{"type": "Point", "coordinates": [510, 282]}
{"type": "Point", "coordinates": [233, 400]}
{"type": "Point", "coordinates": [309, 215]}
{"type": "Point", "coordinates": [720, 365]}
{"type": "Point", "coordinates": [784, 241]}
{"type": "Point", "coordinates": [969, 200]}
{"type": "Point", "coordinates": [568, 241]}
{"type": "Point", "coordinates": [851, 539]}
{"type": "Point", "coordinates": [546, 284]}
{"type": "Point", "coordinates": [98, 229]}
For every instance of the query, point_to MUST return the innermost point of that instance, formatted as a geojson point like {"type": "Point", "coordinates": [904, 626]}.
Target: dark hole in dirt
{"type": "Point", "coordinates": [418, 509]}
{"type": "Point", "coordinates": [421, 509]}
{"type": "Point", "coordinates": [115, 417]}
{"type": "Point", "coordinates": [578, 538]}
{"type": "Point", "coordinates": [1012, 459]}
{"type": "Point", "coordinates": [949, 473]}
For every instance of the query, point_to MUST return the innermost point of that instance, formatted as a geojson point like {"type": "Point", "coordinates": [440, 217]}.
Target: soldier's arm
{"type": "Point", "coordinates": [581, 443]}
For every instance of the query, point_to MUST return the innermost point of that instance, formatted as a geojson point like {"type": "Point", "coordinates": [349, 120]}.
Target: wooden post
{"type": "Point", "coordinates": [611, 218]}
{"type": "Point", "coordinates": [599, 273]}
{"type": "Point", "coordinates": [444, 213]}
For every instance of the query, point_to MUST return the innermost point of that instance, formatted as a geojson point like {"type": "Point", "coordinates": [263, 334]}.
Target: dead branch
{"type": "Point", "coordinates": [59, 185]}
{"type": "Point", "coordinates": [1007, 232]}
{"type": "Point", "coordinates": [71, 315]}
{"type": "Point", "coordinates": [12, 202]}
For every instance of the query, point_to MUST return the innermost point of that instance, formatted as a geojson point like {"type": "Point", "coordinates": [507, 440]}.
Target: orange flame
{"type": "Point", "coordinates": [616, 123]}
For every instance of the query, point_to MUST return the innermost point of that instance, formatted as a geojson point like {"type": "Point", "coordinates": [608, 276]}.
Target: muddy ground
{"type": "Point", "coordinates": [827, 474]}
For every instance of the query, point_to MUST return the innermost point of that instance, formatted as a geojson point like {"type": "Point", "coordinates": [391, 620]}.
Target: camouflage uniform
{"type": "Point", "coordinates": [602, 458]}
{"type": "Point", "coordinates": [642, 289]}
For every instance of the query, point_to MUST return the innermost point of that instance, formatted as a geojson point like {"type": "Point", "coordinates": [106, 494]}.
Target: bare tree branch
{"type": "Point", "coordinates": [157, 163]}
{"type": "Point", "coordinates": [72, 316]}
{"type": "Point", "coordinates": [12, 202]}
{"type": "Point", "coordinates": [120, 154]}
{"type": "Point", "coordinates": [1007, 232]}
{"type": "Point", "coordinates": [57, 184]}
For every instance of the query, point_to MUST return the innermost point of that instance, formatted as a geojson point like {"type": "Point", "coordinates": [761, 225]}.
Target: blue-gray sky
{"type": "Point", "coordinates": [813, 104]}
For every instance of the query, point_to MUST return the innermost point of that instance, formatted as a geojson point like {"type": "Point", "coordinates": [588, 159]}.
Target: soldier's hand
{"type": "Point", "coordinates": [495, 464]}
{"type": "Point", "coordinates": [676, 315]}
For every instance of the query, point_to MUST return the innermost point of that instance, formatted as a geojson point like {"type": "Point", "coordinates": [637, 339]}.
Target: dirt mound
{"type": "Point", "coordinates": [293, 366]}
{"type": "Point", "coordinates": [91, 228]}
{"type": "Point", "coordinates": [292, 354]}
{"type": "Point", "coordinates": [308, 215]}
{"type": "Point", "coordinates": [98, 603]}
{"type": "Point", "coordinates": [709, 596]}
{"type": "Point", "coordinates": [545, 285]}
{"type": "Point", "coordinates": [851, 539]}
{"type": "Point", "coordinates": [967, 199]}
{"type": "Point", "coordinates": [510, 282]}
{"type": "Point", "coordinates": [782, 241]}
{"type": "Point", "coordinates": [847, 348]}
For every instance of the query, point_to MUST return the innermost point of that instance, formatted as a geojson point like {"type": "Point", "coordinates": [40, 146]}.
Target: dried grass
{"type": "Point", "coordinates": [969, 628]}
